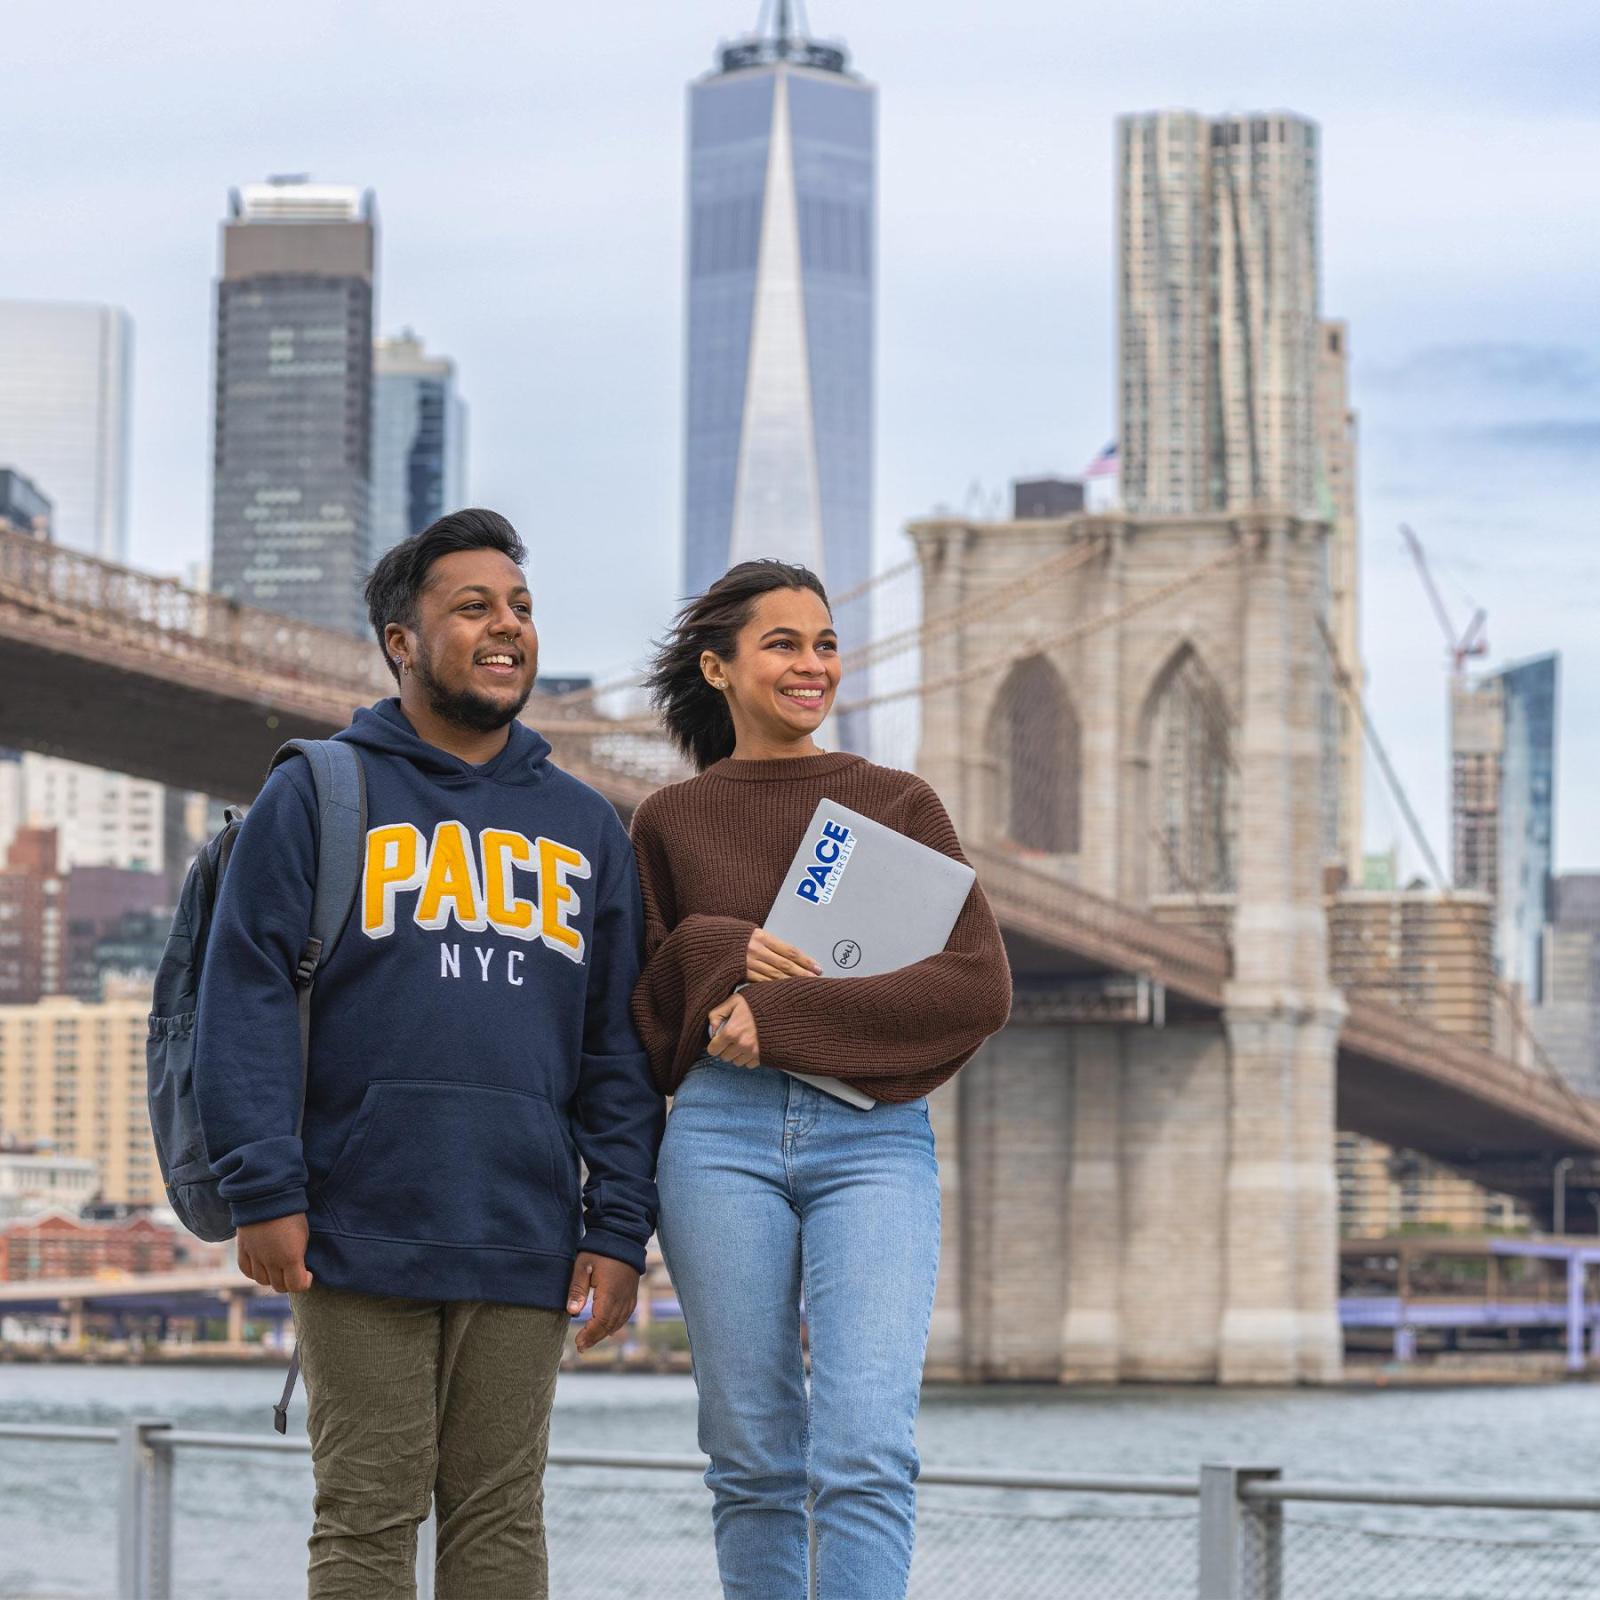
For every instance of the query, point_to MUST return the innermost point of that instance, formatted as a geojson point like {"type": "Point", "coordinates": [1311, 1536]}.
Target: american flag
{"type": "Point", "coordinates": [1105, 464]}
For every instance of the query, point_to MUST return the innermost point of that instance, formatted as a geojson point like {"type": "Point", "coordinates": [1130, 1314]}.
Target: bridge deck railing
{"type": "Point", "coordinates": [1231, 1532]}
{"type": "Point", "coordinates": [162, 616]}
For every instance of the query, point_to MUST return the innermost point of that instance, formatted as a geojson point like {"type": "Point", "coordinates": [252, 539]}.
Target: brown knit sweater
{"type": "Point", "coordinates": [713, 852]}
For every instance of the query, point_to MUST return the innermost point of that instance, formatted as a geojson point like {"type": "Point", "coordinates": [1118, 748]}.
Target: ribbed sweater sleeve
{"type": "Point", "coordinates": [691, 964]}
{"type": "Point", "coordinates": [921, 1023]}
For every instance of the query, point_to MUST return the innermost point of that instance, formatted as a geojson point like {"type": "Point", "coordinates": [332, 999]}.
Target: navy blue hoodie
{"type": "Point", "coordinates": [470, 1033]}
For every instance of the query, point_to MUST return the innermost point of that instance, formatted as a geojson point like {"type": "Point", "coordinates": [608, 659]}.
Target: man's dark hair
{"type": "Point", "coordinates": [395, 587]}
{"type": "Point", "coordinates": [694, 714]}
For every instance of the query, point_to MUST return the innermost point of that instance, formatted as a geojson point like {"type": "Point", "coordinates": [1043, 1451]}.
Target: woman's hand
{"type": "Point", "coordinates": [733, 1033]}
{"type": "Point", "coordinates": [767, 957]}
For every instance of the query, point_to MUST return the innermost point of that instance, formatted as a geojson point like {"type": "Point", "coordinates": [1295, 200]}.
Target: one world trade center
{"type": "Point", "coordinates": [779, 405]}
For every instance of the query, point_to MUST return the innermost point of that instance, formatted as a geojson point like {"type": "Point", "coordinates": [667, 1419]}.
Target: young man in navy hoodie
{"type": "Point", "coordinates": [470, 1041]}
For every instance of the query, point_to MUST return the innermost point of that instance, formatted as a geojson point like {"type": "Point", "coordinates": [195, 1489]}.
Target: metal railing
{"type": "Point", "coordinates": [1027, 1535]}
{"type": "Point", "coordinates": [85, 603]}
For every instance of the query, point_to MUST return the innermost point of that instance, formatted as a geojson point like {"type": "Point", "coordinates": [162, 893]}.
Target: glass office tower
{"type": "Point", "coordinates": [292, 454]}
{"type": "Point", "coordinates": [1527, 821]}
{"type": "Point", "coordinates": [66, 374]}
{"type": "Point", "coordinates": [419, 441]}
{"type": "Point", "coordinates": [781, 202]}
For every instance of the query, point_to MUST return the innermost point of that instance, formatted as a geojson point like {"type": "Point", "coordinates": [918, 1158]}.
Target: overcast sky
{"type": "Point", "coordinates": [528, 162]}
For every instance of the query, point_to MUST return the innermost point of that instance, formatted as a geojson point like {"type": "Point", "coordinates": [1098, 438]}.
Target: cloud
{"type": "Point", "coordinates": [1571, 440]}
{"type": "Point", "coordinates": [1566, 370]}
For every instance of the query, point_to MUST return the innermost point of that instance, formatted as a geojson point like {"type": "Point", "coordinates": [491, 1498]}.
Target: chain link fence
{"type": "Point", "coordinates": [1076, 1549]}
{"type": "Point", "coordinates": [1327, 1558]}
{"type": "Point", "coordinates": [1025, 1545]}
{"type": "Point", "coordinates": [623, 1534]}
{"type": "Point", "coordinates": [626, 1526]}
{"type": "Point", "coordinates": [1063, 1545]}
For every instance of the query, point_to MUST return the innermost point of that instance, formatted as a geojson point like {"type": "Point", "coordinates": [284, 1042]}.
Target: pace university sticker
{"type": "Point", "coordinates": [830, 854]}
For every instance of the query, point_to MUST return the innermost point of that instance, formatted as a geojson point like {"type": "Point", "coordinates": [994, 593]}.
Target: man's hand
{"type": "Point", "coordinates": [733, 1033]}
{"type": "Point", "coordinates": [616, 1288]}
{"type": "Point", "coordinates": [767, 957]}
{"type": "Point", "coordinates": [274, 1253]}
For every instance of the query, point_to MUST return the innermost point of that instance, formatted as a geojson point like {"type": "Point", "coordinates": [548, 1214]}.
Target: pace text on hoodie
{"type": "Point", "coordinates": [470, 1033]}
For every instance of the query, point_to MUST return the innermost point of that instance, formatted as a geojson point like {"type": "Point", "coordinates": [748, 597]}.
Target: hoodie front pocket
{"type": "Point", "coordinates": [455, 1164]}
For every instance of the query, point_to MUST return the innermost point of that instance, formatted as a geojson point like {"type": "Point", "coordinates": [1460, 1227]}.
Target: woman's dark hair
{"type": "Point", "coordinates": [694, 714]}
{"type": "Point", "coordinates": [397, 582]}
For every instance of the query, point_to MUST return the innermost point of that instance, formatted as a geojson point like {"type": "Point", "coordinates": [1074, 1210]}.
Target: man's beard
{"type": "Point", "coordinates": [464, 707]}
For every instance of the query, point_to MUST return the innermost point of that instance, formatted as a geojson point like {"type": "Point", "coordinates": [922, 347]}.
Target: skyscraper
{"type": "Point", "coordinates": [1166, 305]}
{"type": "Point", "coordinates": [419, 441]}
{"type": "Point", "coordinates": [781, 208]}
{"type": "Point", "coordinates": [293, 433]}
{"type": "Point", "coordinates": [1567, 1019]}
{"type": "Point", "coordinates": [1268, 299]}
{"type": "Point", "coordinates": [1218, 312]}
{"type": "Point", "coordinates": [1527, 821]}
{"type": "Point", "coordinates": [1503, 756]}
{"type": "Point", "coordinates": [65, 375]}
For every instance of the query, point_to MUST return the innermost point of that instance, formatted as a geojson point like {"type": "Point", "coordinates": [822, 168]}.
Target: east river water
{"type": "Point", "coordinates": [242, 1520]}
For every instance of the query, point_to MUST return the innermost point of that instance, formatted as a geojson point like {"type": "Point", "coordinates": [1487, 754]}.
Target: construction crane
{"type": "Point", "coordinates": [1474, 641]}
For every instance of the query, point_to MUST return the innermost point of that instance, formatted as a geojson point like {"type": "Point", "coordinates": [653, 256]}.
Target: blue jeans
{"type": "Point", "coordinates": [770, 1189]}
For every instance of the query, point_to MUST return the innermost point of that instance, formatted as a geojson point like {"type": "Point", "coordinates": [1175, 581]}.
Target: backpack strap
{"type": "Point", "coordinates": [280, 1412]}
{"type": "Point", "coordinates": [341, 787]}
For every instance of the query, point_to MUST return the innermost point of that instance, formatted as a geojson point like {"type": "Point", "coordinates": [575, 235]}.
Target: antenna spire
{"type": "Point", "coordinates": [783, 25]}
{"type": "Point", "coordinates": [782, 34]}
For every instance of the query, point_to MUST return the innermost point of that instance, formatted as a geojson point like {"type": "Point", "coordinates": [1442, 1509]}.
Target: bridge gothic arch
{"type": "Point", "coordinates": [1035, 767]}
{"type": "Point", "coordinates": [1186, 780]}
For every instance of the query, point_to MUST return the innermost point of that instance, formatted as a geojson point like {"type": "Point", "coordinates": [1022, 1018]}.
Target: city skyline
{"type": "Point", "coordinates": [1478, 407]}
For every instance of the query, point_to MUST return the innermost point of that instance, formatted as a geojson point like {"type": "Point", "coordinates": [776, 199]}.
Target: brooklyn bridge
{"type": "Point", "coordinates": [1127, 718]}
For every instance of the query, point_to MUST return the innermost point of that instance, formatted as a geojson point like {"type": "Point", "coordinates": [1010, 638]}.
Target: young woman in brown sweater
{"type": "Point", "coordinates": [774, 1192]}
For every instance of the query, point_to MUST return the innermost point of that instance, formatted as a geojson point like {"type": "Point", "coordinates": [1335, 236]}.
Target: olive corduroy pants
{"type": "Point", "coordinates": [419, 1403]}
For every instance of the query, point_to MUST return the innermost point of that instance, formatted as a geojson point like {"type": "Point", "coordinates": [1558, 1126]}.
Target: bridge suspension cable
{"type": "Point", "coordinates": [876, 651]}
{"type": "Point", "coordinates": [575, 698]}
{"type": "Point", "coordinates": [877, 581]}
{"type": "Point", "coordinates": [1054, 641]}
{"type": "Point", "coordinates": [997, 599]}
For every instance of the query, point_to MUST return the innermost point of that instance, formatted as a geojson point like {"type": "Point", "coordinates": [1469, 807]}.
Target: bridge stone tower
{"type": "Point", "coordinates": [1148, 717]}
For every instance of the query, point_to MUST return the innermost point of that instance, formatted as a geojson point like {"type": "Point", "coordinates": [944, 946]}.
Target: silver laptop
{"type": "Point", "coordinates": [861, 899]}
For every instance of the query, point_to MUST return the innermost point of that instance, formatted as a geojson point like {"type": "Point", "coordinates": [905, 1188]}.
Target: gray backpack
{"type": "Point", "coordinates": [169, 1048]}
{"type": "Point", "coordinates": [341, 787]}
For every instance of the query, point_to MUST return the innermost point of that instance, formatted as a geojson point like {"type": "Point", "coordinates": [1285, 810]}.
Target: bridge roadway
{"type": "Point", "coordinates": [113, 667]}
